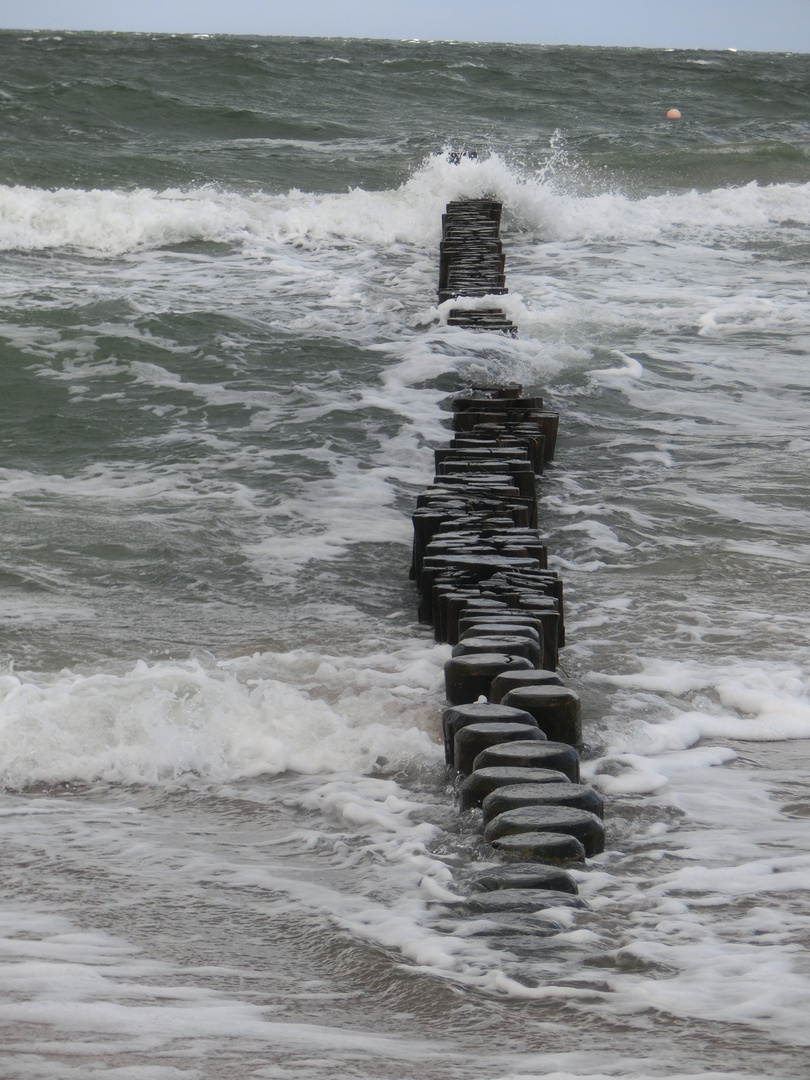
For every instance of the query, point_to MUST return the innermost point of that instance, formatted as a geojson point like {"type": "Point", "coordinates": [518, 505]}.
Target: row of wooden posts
{"type": "Point", "coordinates": [512, 730]}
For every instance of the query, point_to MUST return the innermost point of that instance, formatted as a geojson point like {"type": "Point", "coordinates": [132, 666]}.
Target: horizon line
{"type": "Point", "coordinates": [202, 35]}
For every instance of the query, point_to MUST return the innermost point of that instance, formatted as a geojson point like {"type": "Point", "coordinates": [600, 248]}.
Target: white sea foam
{"type": "Point", "coordinates": [115, 221]}
{"type": "Point", "coordinates": [749, 701]}
{"type": "Point", "coordinates": [87, 991]}
{"type": "Point", "coordinates": [158, 723]}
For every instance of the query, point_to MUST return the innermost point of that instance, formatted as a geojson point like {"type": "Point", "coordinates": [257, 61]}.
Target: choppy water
{"type": "Point", "coordinates": [226, 829]}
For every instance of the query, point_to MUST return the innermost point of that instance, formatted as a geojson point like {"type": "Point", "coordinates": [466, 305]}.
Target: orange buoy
{"type": "Point", "coordinates": [673, 114]}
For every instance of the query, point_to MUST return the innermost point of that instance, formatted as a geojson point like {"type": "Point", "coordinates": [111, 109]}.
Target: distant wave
{"type": "Point", "coordinates": [114, 222]}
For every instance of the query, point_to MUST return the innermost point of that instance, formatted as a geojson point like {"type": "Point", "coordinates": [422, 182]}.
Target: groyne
{"type": "Point", "coordinates": [512, 729]}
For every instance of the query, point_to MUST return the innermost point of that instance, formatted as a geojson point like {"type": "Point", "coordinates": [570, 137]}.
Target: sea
{"type": "Point", "coordinates": [230, 847]}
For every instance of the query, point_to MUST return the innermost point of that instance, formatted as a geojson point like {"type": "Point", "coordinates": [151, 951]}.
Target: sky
{"type": "Point", "coordinates": [781, 25]}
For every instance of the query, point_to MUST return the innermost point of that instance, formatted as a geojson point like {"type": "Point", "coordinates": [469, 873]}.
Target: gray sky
{"type": "Point", "coordinates": [783, 25]}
